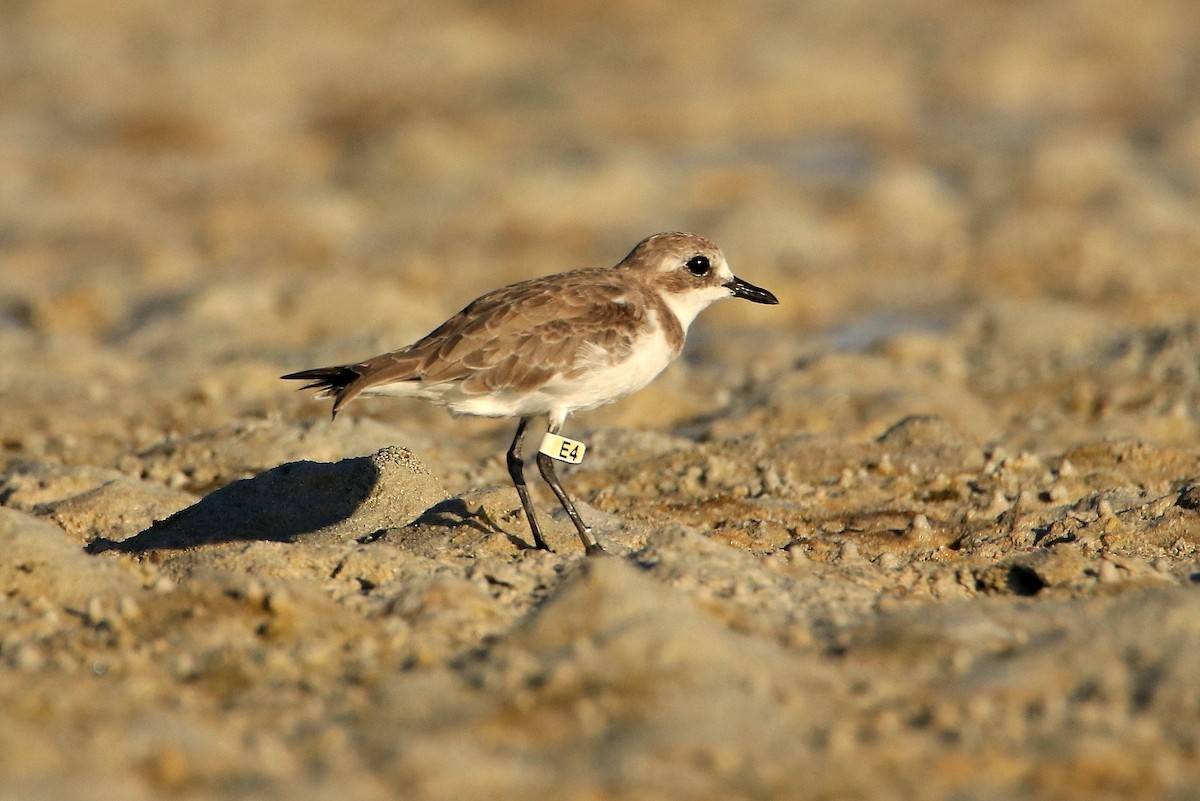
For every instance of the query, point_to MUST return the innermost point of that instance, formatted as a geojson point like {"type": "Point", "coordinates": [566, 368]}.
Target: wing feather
{"type": "Point", "coordinates": [518, 337]}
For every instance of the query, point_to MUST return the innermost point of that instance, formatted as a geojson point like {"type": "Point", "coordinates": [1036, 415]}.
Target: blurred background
{"type": "Point", "coordinates": [195, 197]}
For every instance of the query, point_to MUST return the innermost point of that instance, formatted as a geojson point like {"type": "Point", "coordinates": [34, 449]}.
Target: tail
{"type": "Point", "coordinates": [331, 382]}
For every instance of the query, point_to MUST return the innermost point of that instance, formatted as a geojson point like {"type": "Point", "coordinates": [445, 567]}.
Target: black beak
{"type": "Point", "coordinates": [744, 289]}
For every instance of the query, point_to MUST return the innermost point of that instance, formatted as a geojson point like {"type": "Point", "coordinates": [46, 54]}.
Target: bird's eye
{"type": "Point", "coordinates": [698, 265]}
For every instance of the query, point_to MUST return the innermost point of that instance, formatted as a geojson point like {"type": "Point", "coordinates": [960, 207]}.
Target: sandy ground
{"type": "Point", "coordinates": [929, 528]}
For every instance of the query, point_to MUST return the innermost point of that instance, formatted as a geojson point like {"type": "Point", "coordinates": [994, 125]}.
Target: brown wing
{"type": "Point", "coordinates": [517, 337]}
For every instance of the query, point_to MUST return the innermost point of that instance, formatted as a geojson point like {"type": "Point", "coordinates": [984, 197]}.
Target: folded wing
{"type": "Point", "coordinates": [516, 338]}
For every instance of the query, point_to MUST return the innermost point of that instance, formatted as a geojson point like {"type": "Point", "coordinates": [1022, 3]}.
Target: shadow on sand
{"type": "Point", "coordinates": [280, 505]}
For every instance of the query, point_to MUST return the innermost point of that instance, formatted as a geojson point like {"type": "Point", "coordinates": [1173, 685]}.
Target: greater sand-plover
{"type": "Point", "coordinates": [553, 345]}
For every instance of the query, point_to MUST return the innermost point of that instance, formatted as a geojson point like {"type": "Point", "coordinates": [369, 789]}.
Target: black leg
{"type": "Point", "coordinates": [546, 466]}
{"type": "Point", "coordinates": [516, 469]}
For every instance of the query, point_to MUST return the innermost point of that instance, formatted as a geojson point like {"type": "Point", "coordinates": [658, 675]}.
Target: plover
{"type": "Point", "coordinates": [553, 345]}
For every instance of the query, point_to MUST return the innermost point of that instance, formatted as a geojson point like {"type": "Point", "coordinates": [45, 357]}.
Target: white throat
{"type": "Point", "coordinates": [686, 305]}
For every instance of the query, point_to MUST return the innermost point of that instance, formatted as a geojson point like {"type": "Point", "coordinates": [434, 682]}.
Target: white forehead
{"type": "Point", "coordinates": [720, 266]}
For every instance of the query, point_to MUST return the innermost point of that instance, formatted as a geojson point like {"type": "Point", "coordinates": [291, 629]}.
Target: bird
{"type": "Point", "coordinates": [553, 346]}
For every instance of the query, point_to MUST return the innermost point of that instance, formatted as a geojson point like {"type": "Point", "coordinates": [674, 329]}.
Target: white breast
{"type": "Point", "coordinates": [606, 382]}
